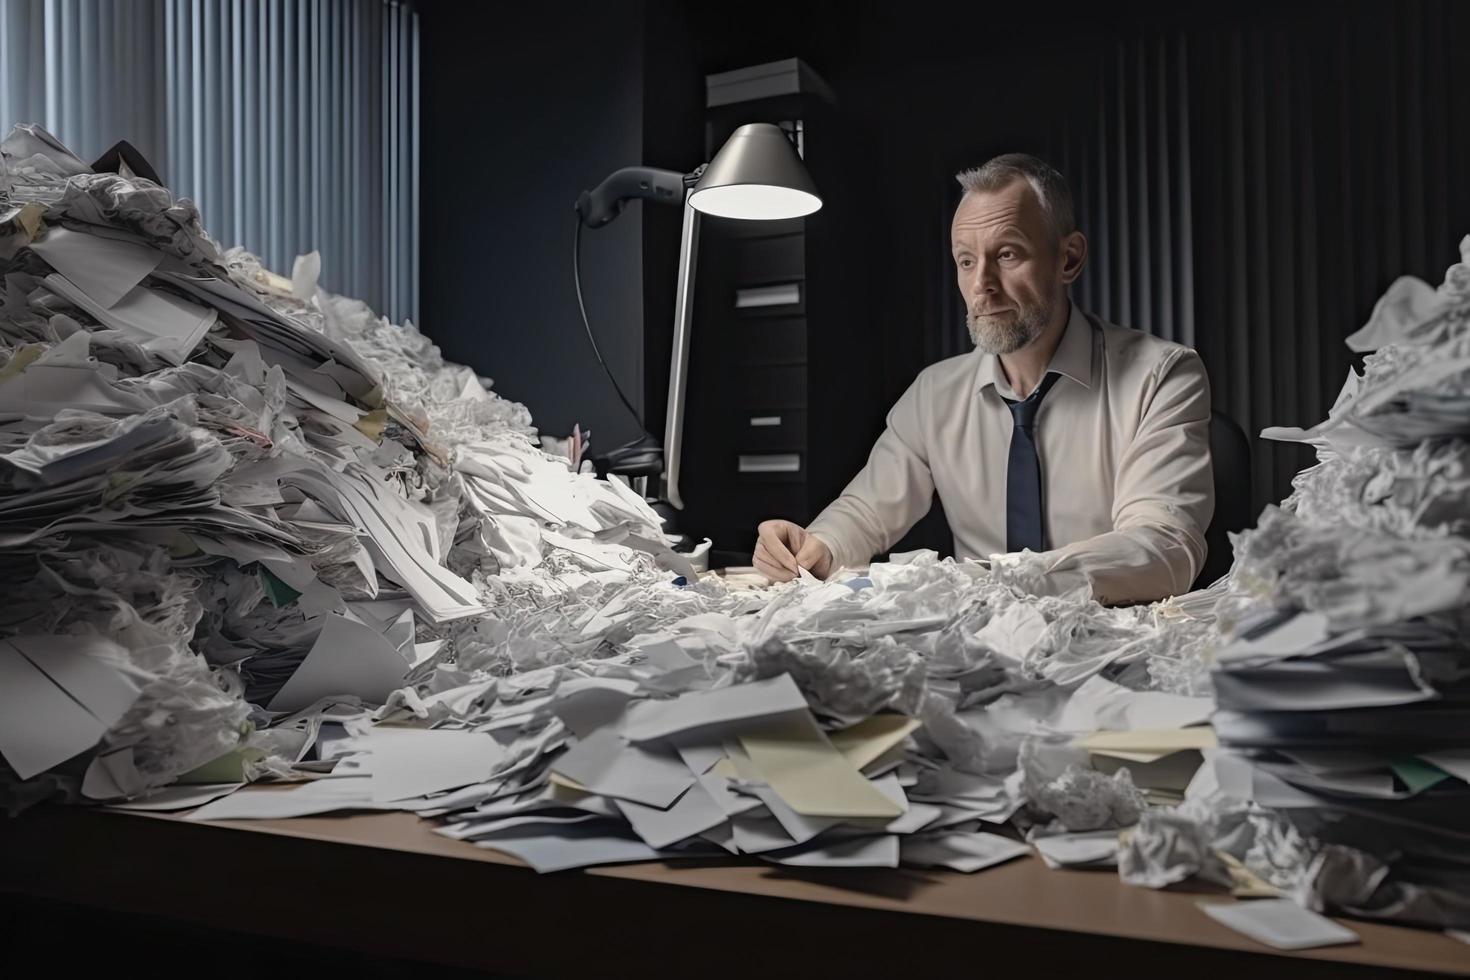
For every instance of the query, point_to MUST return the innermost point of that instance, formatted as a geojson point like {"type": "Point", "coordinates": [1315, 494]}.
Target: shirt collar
{"type": "Point", "coordinates": [1072, 358]}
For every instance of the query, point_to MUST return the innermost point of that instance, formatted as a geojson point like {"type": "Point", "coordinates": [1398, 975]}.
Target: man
{"type": "Point", "coordinates": [1059, 434]}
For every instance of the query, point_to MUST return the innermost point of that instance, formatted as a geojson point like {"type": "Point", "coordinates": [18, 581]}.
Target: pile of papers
{"type": "Point", "coordinates": [715, 734]}
{"type": "Point", "coordinates": [254, 533]}
{"type": "Point", "coordinates": [227, 480]}
{"type": "Point", "coordinates": [595, 772]}
{"type": "Point", "coordinates": [1344, 697]}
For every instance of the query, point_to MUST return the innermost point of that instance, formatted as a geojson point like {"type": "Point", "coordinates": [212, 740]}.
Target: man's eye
{"type": "Point", "coordinates": [1007, 254]}
{"type": "Point", "coordinates": [966, 263]}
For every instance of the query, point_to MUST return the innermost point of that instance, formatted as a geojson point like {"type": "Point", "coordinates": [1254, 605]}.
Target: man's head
{"type": "Point", "coordinates": [1016, 250]}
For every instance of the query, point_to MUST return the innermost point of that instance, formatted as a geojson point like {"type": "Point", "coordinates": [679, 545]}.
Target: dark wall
{"type": "Point", "coordinates": [523, 107]}
{"type": "Point", "coordinates": [1323, 144]}
{"type": "Point", "coordinates": [1318, 153]}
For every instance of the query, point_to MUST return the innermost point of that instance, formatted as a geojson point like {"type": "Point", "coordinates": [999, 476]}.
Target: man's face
{"type": "Point", "coordinates": [1010, 266]}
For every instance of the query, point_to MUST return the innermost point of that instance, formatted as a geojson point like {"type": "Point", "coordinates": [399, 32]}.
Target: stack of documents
{"type": "Point", "coordinates": [250, 531]}
{"type": "Point", "coordinates": [594, 771]}
{"type": "Point", "coordinates": [1360, 737]}
{"type": "Point", "coordinates": [1344, 693]}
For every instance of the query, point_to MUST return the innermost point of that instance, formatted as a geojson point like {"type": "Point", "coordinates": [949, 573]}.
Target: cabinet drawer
{"type": "Point", "coordinates": [776, 299]}
{"type": "Point", "coordinates": [777, 340]}
{"type": "Point", "coordinates": [767, 389]}
{"type": "Point", "coordinates": [775, 430]}
{"type": "Point", "coordinates": [772, 259]}
{"type": "Point", "coordinates": [758, 468]}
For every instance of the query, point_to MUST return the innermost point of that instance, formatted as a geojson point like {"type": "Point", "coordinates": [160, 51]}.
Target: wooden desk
{"type": "Point", "coordinates": [384, 884]}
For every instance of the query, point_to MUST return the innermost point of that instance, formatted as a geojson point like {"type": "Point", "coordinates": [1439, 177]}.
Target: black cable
{"type": "Point", "coordinates": [577, 280]}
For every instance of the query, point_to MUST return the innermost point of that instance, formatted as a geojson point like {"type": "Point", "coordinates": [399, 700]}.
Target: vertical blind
{"type": "Point", "coordinates": [293, 124]}
{"type": "Point", "coordinates": [1330, 156]}
{"type": "Point", "coordinates": [1127, 155]}
{"type": "Point", "coordinates": [1251, 187]}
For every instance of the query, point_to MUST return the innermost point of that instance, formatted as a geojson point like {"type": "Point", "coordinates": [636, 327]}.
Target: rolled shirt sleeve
{"type": "Point", "coordinates": [1163, 497]}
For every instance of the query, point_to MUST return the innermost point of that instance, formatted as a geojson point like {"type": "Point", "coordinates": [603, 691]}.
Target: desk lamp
{"type": "Point", "coordinates": [756, 176]}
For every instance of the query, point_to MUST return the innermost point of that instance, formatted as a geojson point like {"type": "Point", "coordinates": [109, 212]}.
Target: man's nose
{"type": "Point", "coordinates": [984, 281]}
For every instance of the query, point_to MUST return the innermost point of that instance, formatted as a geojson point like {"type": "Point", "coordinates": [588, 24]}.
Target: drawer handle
{"type": "Point", "coordinates": [757, 296]}
{"type": "Point", "coordinates": [771, 463]}
{"type": "Point", "coordinates": [758, 421]}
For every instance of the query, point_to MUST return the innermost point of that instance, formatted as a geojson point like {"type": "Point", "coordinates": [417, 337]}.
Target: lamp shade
{"type": "Point", "coordinates": [757, 176]}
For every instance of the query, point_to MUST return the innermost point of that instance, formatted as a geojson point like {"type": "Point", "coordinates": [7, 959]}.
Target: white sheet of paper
{"type": "Point", "coordinates": [733, 804]}
{"type": "Point", "coordinates": [691, 815]}
{"type": "Point", "coordinates": [348, 657]}
{"type": "Point", "coordinates": [1101, 705]}
{"type": "Point", "coordinates": [860, 852]}
{"type": "Point", "coordinates": [1301, 632]}
{"type": "Point", "coordinates": [918, 816]}
{"type": "Point", "coordinates": [723, 837]}
{"type": "Point", "coordinates": [320, 796]}
{"type": "Point", "coordinates": [104, 268]}
{"type": "Point", "coordinates": [648, 720]}
{"type": "Point", "coordinates": [42, 723]}
{"type": "Point", "coordinates": [74, 663]}
{"type": "Point", "coordinates": [433, 762]}
{"type": "Point", "coordinates": [1456, 762]}
{"type": "Point", "coordinates": [179, 797]}
{"type": "Point", "coordinates": [579, 845]}
{"type": "Point", "coordinates": [547, 821]}
{"type": "Point", "coordinates": [799, 828]}
{"type": "Point", "coordinates": [700, 757]}
{"type": "Point", "coordinates": [1279, 923]}
{"type": "Point", "coordinates": [42, 390]}
{"type": "Point", "coordinates": [753, 833]}
{"type": "Point", "coordinates": [585, 704]}
{"type": "Point", "coordinates": [609, 766]}
{"type": "Point", "coordinates": [962, 852]}
{"type": "Point", "coordinates": [1098, 848]}
{"type": "Point", "coordinates": [160, 322]}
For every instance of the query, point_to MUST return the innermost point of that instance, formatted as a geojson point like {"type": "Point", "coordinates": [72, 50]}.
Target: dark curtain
{"type": "Point", "coordinates": [1329, 157]}
{"type": "Point", "coordinates": [1251, 185]}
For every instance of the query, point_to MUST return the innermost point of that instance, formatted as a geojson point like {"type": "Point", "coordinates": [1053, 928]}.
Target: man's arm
{"type": "Point", "coordinates": [1163, 498]}
{"type": "Point", "coordinates": [888, 496]}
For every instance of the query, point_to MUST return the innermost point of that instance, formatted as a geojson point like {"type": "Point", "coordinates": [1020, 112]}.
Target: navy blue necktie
{"type": "Point", "coordinates": [1023, 474]}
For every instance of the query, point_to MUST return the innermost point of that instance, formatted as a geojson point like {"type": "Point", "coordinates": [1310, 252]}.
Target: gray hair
{"type": "Point", "coordinates": [1051, 188]}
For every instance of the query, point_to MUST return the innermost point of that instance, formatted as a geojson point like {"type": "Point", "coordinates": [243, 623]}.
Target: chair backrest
{"type": "Point", "coordinates": [1230, 456]}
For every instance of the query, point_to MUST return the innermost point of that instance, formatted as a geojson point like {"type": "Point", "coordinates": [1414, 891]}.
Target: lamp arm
{"type": "Point", "coordinates": [679, 356]}
{"type": "Point", "coordinates": [604, 202]}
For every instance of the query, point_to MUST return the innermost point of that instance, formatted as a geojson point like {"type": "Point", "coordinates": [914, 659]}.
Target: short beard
{"type": "Point", "coordinates": [1007, 333]}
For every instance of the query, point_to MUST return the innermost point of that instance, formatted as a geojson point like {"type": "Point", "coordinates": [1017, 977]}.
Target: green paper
{"type": "Point", "coordinates": [228, 768]}
{"type": "Point", "coordinates": [279, 593]}
{"type": "Point", "coordinates": [1417, 774]}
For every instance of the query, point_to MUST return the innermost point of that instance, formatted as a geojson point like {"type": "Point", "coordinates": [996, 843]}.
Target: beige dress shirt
{"type": "Point", "coordinates": [1123, 438]}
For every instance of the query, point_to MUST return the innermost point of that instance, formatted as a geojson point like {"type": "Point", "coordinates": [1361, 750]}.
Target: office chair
{"type": "Point", "coordinates": [1230, 455]}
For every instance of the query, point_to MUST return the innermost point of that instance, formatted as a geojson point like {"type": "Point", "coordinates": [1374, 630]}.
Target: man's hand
{"type": "Point", "coordinates": [784, 547]}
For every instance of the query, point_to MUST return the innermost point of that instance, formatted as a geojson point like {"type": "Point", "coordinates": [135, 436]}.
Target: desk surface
{"type": "Point", "coordinates": [384, 883]}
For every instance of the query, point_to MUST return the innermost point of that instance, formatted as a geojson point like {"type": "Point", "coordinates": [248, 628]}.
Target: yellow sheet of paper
{"type": "Point", "coordinates": [1140, 757]}
{"type": "Point", "coordinates": [796, 759]}
{"type": "Point", "coordinates": [1156, 742]}
{"type": "Point", "coordinates": [566, 782]}
{"type": "Point", "coordinates": [870, 738]}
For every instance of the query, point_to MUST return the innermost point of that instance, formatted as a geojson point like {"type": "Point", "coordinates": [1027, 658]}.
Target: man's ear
{"type": "Point", "coordinates": [1074, 256]}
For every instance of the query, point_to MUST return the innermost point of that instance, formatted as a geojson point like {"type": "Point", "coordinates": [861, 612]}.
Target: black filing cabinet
{"type": "Point", "coordinates": [779, 344]}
